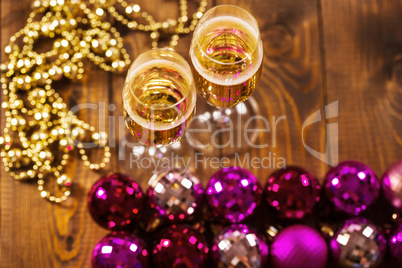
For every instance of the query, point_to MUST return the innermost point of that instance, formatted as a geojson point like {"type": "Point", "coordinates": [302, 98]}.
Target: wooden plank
{"type": "Point", "coordinates": [362, 44]}
{"type": "Point", "coordinates": [35, 233]}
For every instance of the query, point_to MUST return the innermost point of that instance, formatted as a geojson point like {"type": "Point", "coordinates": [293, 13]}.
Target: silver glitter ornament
{"type": "Point", "coordinates": [239, 246]}
{"type": "Point", "coordinates": [358, 244]}
{"type": "Point", "coordinates": [176, 195]}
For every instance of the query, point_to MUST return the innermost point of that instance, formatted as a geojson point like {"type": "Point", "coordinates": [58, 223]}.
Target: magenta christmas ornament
{"type": "Point", "coordinates": [180, 246]}
{"type": "Point", "coordinates": [239, 246]}
{"type": "Point", "coordinates": [292, 191]}
{"type": "Point", "coordinates": [358, 243]}
{"type": "Point", "coordinates": [352, 187]}
{"type": "Point", "coordinates": [233, 193]}
{"type": "Point", "coordinates": [120, 249]}
{"type": "Point", "coordinates": [175, 195]}
{"type": "Point", "coordinates": [392, 185]}
{"type": "Point", "coordinates": [299, 246]}
{"type": "Point", "coordinates": [115, 201]}
{"type": "Point", "coordinates": [395, 243]}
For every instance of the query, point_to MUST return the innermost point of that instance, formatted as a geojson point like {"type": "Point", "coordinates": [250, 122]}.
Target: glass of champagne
{"type": "Point", "coordinates": [159, 99]}
{"type": "Point", "coordinates": [226, 55]}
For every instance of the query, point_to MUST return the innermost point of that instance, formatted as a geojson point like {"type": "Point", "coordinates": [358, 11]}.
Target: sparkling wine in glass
{"type": "Point", "coordinates": [159, 99]}
{"type": "Point", "coordinates": [226, 55]}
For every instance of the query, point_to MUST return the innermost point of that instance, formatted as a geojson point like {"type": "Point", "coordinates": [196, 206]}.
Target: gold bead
{"type": "Point", "coordinates": [46, 156]}
{"type": "Point", "coordinates": [155, 35]}
{"type": "Point", "coordinates": [100, 138]}
{"type": "Point", "coordinates": [24, 82]}
{"type": "Point", "coordinates": [64, 181]}
{"type": "Point", "coordinates": [119, 66]}
{"type": "Point", "coordinates": [78, 133]}
{"type": "Point", "coordinates": [39, 136]}
{"type": "Point", "coordinates": [18, 123]}
{"type": "Point", "coordinates": [5, 141]}
{"type": "Point", "coordinates": [14, 158]}
{"type": "Point", "coordinates": [55, 73]}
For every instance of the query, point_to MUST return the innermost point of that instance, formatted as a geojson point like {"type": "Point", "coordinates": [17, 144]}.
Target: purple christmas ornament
{"type": "Point", "coordinates": [358, 243]}
{"type": "Point", "coordinates": [175, 195]}
{"type": "Point", "coordinates": [395, 243]}
{"type": "Point", "coordinates": [392, 185]}
{"type": "Point", "coordinates": [293, 191]}
{"type": "Point", "coordinates": [299, 246]}
{"type": "Point", "coordinates": [351, 186]}
{"type": "Point", "coordinates": [120, 249]}
{"type": "Point", "coordinates": [115, 201]}
{"type": "Point", "coordinates": [239, 246]}
{"type": "Point", "coordinates": [233, 193]}
{"type": "Point", "coordinates": [180, 246]}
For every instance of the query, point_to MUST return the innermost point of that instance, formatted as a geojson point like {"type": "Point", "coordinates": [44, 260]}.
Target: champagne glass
{"type": "Point", "coordinates": [159, 99]}
{"type": "Point", "coordinates": [226, 55]}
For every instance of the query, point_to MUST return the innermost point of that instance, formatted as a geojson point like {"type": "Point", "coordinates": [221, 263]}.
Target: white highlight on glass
{"type": "Point", "coordinates": [159, 188]}
{"type": "Point", "coordinates": [251, 239]}
{"type": "Point", "coordinates": [241, 108]}
{"type": "Point", "coordinates": [224, 244]}
{"type": "Point", "coordinates": [186, 183]}
{"type": "Point", "coordinates": [190, 210]}
{"type": "Point", "coordinates": [361, 175]}
{"type": "Point", "coordinates": [107, 249]}
{"type": "Point", "coordinates": [244, 182]}
{"type": "Point", "coordinates": [138, 150]}
{"type": "Point", "coordinates": [343, 239]}
{"type": "Point", "coordinates": [133, 247]}
{"type": "Point", "coordinates": [218, 187]}
{"type": "Point", "coordinates": [367, 231]}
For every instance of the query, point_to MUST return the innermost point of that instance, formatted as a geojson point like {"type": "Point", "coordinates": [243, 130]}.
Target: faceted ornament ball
{"type": "Point", "coordinates": [392, 185]}
{"type": "Point", "coordinates": [352, 187]}
{"type": "Point", "coordinates": [239, 246]}
{"type": "Point", "coordinates": [115, 201]}
{"type": "Point", "coordinates": [299, 246]}
{"type": "Point", "coordinates": [176, 195]}
{"type": "Point", "coordinates": [233, 193]}
{"type": "Point", "coordinates": [293, 191]}
{"type": "Point", "coordinates": [180, 246]}
{"type": "Point", "coordinates": [120, 249]}
{"type": "Point", "coordinates": [358, 243]}
{"type": "Point", "coordinates": [395, 243]}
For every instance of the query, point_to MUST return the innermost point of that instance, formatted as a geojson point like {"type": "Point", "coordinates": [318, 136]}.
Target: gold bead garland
{"type": "Point", "coordinates": [40, 131]}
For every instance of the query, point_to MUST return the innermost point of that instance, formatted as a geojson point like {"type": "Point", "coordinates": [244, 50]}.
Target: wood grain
{"type": "Point", "coordinates": [315, 52]}
{"type": "Point", "coordinates": [363, 35]}
{"type": "Point", "coordinates": [35, 233]}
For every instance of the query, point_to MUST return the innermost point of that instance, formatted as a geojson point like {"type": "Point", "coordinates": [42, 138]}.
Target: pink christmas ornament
{"type": "Point", "coordinates": [180, 246]}
{"type": "Point", "coordinates": [392, 185]}
{"type": "Point", "coordinates": [115, 201]}
{"type": "Point", "coordinates": [299, 246]}
{"type": "Point", "coordinates": [395, 243]}
{"type": "Point", "coordinates": [120, 249]}
{"type": "Point", "coordinates": [352, 187]}
{"type": "Point", "coordinates": [233, 193]}
{"type": "Point", "coordinates": [293, 191]}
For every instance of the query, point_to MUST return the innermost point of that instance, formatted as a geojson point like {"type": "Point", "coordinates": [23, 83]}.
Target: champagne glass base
{"type": "Point", "coordinates": [142, 162]}
{"type": "Point", "coordinates": [224, 131]}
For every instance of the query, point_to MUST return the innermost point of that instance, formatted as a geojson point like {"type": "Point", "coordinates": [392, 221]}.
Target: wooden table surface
{"type": "Point", "coordinates": [316, 52]}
